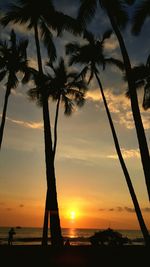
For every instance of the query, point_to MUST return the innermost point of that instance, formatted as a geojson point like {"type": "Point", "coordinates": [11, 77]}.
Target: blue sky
{"type": "Point", "coordinates": [89, 176]}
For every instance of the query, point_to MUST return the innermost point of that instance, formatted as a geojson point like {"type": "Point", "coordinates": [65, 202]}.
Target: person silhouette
{"type": "Point", "coordinates": [11, 233]}
{"type": "Point", "coordinates": [67, 243]}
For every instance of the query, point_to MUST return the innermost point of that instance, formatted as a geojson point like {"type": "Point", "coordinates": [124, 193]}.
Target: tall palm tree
{"type": "Point", "coordinates": [62, 86]}
{"type": "Point", "coordinates": [12, 61]}
{"type": "Point", "coordinates": [41, 15]}
{"type": "Point", "coordinates": [91, 55]}
{"type": "Point", "coordinates": [116, 12]}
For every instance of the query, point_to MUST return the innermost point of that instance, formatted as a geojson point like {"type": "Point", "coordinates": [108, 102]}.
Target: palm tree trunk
{"type": "Point", "coordinates": [144, 151]}
{"type": "Point", "coordinates": [51, 200]}
{"type": "Point", "coordinates": [8, 90]}
{"type": "Point", "coordinates": [45, 225]}
{"type": "Point", "coordinates": [125, 171]}
{"type": "Point", "coordinates": [55, 127]}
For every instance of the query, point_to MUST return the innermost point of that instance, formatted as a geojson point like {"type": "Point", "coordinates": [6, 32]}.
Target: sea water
{"type": "Point", "coordinates": [30, 235]}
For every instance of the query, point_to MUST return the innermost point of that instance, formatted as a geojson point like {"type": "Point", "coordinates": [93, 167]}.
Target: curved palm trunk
{"type": "Point", "coordinates": [45, 227]}
{"type": "Point", "coordinates": [8, 90]}
{"type": "Point", "coordinates": [55, 127]}
{"type": "Point", "coordinates": [125, 171]}
{"type": "Point", "coordinates": [144, 152]}
{"type": "Point", "coordinates": [51, 200]}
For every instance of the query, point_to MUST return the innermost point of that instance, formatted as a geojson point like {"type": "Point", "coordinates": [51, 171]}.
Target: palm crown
{"type": "Point", "coordinates": [116, 7]}
{"type": "Point", "coordinates": [43, 14]}
{"type": "Point", "coordinates": [91, 54]}
{"type": "Point", "coordinates": [61, 84]}
{"type": "Point", "coordinates": [13, 59]}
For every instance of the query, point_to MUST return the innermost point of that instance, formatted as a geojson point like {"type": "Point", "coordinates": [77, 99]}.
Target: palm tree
{"type": "Point", "coordinates": [12, 61]}
{"type": "Point", "coordinates": [62, 86]}
{"type": "Point", "coordinates": [115, 10]}
{"type": "Point", "coordinates": [91, 55]}
{"type": "Point", "coordinates": [41, 15]}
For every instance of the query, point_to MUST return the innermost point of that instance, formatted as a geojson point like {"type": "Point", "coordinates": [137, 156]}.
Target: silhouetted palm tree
{"type": "Point", "coordinates": [12, 61]}
{"type": "Point", "coordinates": [43, 16]}
{"type": "Point", "coordinates": [66, 87]}
{"type": "Point", "coordinates": [91, 55]}
{"type": "Point", "coordinates": [62, 86]}
{"type": "Point", "coordinates": [116, 12]}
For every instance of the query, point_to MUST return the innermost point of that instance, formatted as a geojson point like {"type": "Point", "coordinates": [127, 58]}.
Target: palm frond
{"type": "Point", "coordinates": [86, 11]}
{"type": "Point", "coordinates": [68, 105]}
{"type": "Point", "coordinates": [2, 63]}
{"type": "Point", "coordinates": [12, 81]}
{"type": "Point", "coordinates": [118, 63]}
{"type": "Point", "coordinates": [72, 48]}
{"type": "Point", "coordinates": [35, 95]}
{"type": "Point", "coordinates": [16, 15]}
{"type": "Point", "coordinates": [89, 36]}
{"type": "Point", "coordinates": [107, 34]}
{"type": "Point", "coordinates": [48, 41]}
{"type": "Point", "coordinates": [22, 48]}
{"type": "Point", "coordinates": [2, 74]}
{"type": "Point", "coordinates": [140, 15]}
{"type": "Point", "coordinates": [117, 9]}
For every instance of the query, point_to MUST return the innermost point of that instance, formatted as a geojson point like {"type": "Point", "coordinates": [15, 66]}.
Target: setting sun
{"type": "Point", "coordinates": [72, 214]}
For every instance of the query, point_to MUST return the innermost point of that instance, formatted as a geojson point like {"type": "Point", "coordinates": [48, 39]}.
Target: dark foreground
{"type": "Point", "coordinates": [74, 256]}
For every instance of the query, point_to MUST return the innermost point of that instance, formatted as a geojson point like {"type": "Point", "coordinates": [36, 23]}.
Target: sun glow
{"type": "Point", "coordinates": [72, 214]}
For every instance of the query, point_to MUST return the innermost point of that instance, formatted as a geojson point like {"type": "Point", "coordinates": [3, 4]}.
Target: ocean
{"type": "Point", "coordinates": [76, 236]}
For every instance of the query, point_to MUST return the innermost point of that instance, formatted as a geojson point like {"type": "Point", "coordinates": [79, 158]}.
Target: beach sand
{"type": "Point", "coordinates": [73, 256]}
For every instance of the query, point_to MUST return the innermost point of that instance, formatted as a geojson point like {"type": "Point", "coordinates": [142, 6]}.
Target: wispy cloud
{"type": "Point", "coordinates": [26, 124]}
{"type": "Point", "coordinates": [125, 209]}
{"type": "Point", "coordinates": [120, 106]}
{"type": "Point", "coordinates": [127, 154]}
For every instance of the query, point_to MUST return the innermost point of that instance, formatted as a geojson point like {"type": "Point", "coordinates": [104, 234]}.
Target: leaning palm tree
{"type": "Point", "coordinates": [63, 87]}
{"type": "Point", "coordinates": [41, 15]}
{"type": "Point", "coordinates": [91, 56]}
{"type": "Point", "coordinates": [12, 61]}
{"type": "Point", "coordinates": [116, 12]}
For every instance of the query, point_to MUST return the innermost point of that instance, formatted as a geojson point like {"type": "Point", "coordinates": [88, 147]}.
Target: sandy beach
{"type": "Point", "coordinates": [74, 256]}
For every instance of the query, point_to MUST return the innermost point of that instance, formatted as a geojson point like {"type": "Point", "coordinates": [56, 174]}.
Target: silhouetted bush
{"type": "Point", "coordinates": [109, 237]}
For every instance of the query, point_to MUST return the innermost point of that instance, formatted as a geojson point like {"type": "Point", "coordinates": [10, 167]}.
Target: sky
{"type": "Point", "coordinates": [91, 188]}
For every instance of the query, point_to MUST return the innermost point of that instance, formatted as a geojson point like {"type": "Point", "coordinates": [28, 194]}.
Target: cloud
{"type": "Point", "coordinates": [9, 209]}
{"type": "Point", "coordinates": [129, 209]}
{"type": "Point", "coordinates": [30, 125]}
{"type": "Point", "coordinates": [2, 203]}
{"type": "Point", "coordinates": [125, 209]}
{"type": "Point", "coordinates": [120, 106]}
{"type": "Point", "coordinates": [127, 154]}
{"type": "Point", "coordinates": [111, 44]}
{"type": "Point", "coordinates": [94, 95]}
